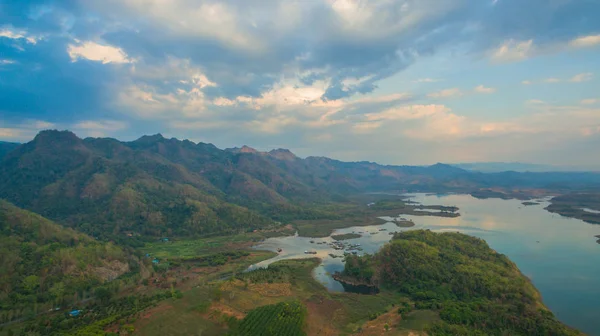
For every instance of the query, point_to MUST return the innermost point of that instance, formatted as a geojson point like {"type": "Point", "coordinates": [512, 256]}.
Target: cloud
{"type": "Point", "coordinates": [97, 52]}
{"type": "Point", "coordinates": [25, 130]}
{"type": "Point", "coordinates": [427, 80]}
{"type": "Point", "coordinates": [582, 77]}
{"type": "Point", "coordinates": [101, 125]}
{"type": "Point", "coordinates": [526, 82]}
{"type": "Point", "coordinates": [483, 89]}
{"type": "Point", "coordinates": [513, 51]}
{"type": "Point", "coordinates": [281, 72]}
{"type": "Point", "coordinates": [586, 41]}
{"type": "Point", "coordinates": [447, 93]}
{"type": "Point", "coordinates": [589, 101]}
{"type": "Point", "coordinates": [551, 80]}
{"type": "Point", "coordinates": [11, 33]}
{"type": "Point", "coordinates": [535, 102]}
{"type": "Point", "coordinates": [98, 128]}
{"type": "Point", "coordinates": [407, 112]}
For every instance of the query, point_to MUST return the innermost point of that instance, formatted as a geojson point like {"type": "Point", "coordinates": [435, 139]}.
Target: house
{"type": "Point", "coordinates": [155, 261]}
{"type": "Point", "coordinates": [74, 313]}
{"type": "Point", "coordinates": [166, 240]}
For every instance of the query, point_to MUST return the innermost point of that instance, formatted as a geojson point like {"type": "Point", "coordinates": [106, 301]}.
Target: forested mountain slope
{"type": "Point", "coordinates": [7, 147]}
{"type": "Point", "coordinates": [155, 186]}
{"type": "Point", "coordinates": [476, 290]}
{"type": "Point", "coordinates": [43, 264]}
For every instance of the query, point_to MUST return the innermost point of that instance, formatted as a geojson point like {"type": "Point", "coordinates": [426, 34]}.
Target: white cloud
{"type": "Point", "coordinates": [97, 52]}
{"type": "Point", "coordinates": [526, 82]}
{"type": "Point", "coordinates": [551, 80]}
{"type": "Point", "coordinates": [105, 125]}
{"type": "Point", "coordinates": [350, 83]}
{"type": "Point", "coordinates": [10, 133]}
{"type": "Point", "coordinates": [447, 93]}
{"type": "Point", "coordinates": [25, 130]}
{"type": "Point", "coordinates": [585, 41]}
{"type": "Point", "coordinates": [483, 89]}
{"type": "Point", "coordinates": [6, 62]}
{"type": "Point", "coordinates": [99, 128]}
{"type": "Point", "coordinates": [222, 101]}
{"type": "Point", "coordinates": [589, 101]}
{"type": "Point", "coordinates": [39, 124]}
{"type": "Point", "coordinates": [513, 51]}
{"type": "Point", "coordinates": [535, 102]}
{"type": "Point", "coordinates": [10, 33]}
{"type": "Point", "coordinates": [427, 80]}
{"type": "Point", "coordinates": [582, 77]}
{"type": "Point", "coordinates": [407, 112]}
{"type": "Point", "coordinates": [214, 20]}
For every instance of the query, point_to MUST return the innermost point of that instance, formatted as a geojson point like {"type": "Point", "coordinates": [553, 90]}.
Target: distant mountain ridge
{"type": "Point", "coordinates": [156, 186]}
{"type": "Point", "coordinates": [496, 167]}
{"type": "Point", "coordinates": [7, 147]}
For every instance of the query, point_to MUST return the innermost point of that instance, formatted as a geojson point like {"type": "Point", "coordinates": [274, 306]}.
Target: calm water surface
{"type": "Point", "coordinates": [560, 255]}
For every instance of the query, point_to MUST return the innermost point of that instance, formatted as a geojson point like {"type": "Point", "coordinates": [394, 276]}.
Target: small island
{"type": "Point", "coordinates": [529, 203]}
{"type": "Point", "coordinates": [404, 223]}
{"type": "Point", "coordinates": [346, 236]}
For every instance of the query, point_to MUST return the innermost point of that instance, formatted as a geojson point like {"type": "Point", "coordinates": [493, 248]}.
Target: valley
{"type": "Point", "coordinates": [170, 237]}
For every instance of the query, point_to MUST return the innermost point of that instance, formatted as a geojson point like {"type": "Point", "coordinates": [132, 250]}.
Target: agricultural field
{"type": "Point", "coordinates": [218, 307]}
{"type": "Point", "coordinates": [282, 319]}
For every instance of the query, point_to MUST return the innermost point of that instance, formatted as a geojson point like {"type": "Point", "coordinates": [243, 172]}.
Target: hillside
{"type": "Point", "coordinates": [154, 187]}
{"type": "Point", "coordinates": [7, 147]}
{"type": "Point", "coordinates": [43, 264]}
{"type": "Point", "coordinates": [476, 290]}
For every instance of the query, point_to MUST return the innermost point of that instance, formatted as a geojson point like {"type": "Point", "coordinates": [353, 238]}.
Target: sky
{"type": "Point", "coordinates": [395, 82]}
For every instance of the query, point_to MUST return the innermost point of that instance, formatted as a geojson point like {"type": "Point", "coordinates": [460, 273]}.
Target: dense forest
{"type": "Point", "coordinates": [476, 290]}
{"type": "Point", "coordinates": [44, 265]}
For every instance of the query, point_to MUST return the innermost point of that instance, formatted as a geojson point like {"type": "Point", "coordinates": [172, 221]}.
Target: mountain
{"type": "Point", "coordinates": [43, 263]}
{"type": "Point", "coordinates": [476, 290]}
{"type": "Point", "coordinates": [154, 186]}
{"type": "Point", "coordinates": [496, 167]}
{"type": "Point", "coordinates": [7, 147]}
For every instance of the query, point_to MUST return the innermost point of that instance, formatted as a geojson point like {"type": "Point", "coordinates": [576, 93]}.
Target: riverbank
{"type": "Point", "coordinates": [583, 206]}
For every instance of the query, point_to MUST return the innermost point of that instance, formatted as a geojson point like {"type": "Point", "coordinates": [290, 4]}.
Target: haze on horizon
{"type": "Point", "coordinates": [395, 82]}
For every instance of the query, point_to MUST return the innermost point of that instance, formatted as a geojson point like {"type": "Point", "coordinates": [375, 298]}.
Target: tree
{"type": "Point", "coordinates": [103, 294]}
{"type": "Point", "coordinates": [31, 283]}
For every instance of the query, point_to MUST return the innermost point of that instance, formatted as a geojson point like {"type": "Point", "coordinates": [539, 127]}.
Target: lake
{"type": "Point", "coordinates": [560, 255]}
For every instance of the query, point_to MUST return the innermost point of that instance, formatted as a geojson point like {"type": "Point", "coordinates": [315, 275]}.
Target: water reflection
{"type": "Point", "coordinates": [559, 254]}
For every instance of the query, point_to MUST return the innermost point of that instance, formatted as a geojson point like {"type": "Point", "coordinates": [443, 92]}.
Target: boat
{"type": "Point", "coordinates": [279, 250]}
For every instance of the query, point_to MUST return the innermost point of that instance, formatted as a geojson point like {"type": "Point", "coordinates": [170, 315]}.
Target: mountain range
{"type": "Point", "coordinates": [496, 167]}
{"type": "Point", "coordinates": [155, 186]}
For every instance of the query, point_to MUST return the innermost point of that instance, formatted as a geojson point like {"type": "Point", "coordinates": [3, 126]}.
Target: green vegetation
{"type": "Point", "coordinates": [114, 203]}
{"type": "Point", "coordinates": [475, 290]}
{"type": "Point", "coordinates": [573, 205]}
{"type": "Point", "coordinates": [44, 265]}
{"type": "Point", "coordinates": [282, 319]}
{"type": "Point", "coordinates": [199, 247]}
{"type": "Point", "coordinates": [346, 236]}
{"type": "Point", "coordinates": [93, 320]}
